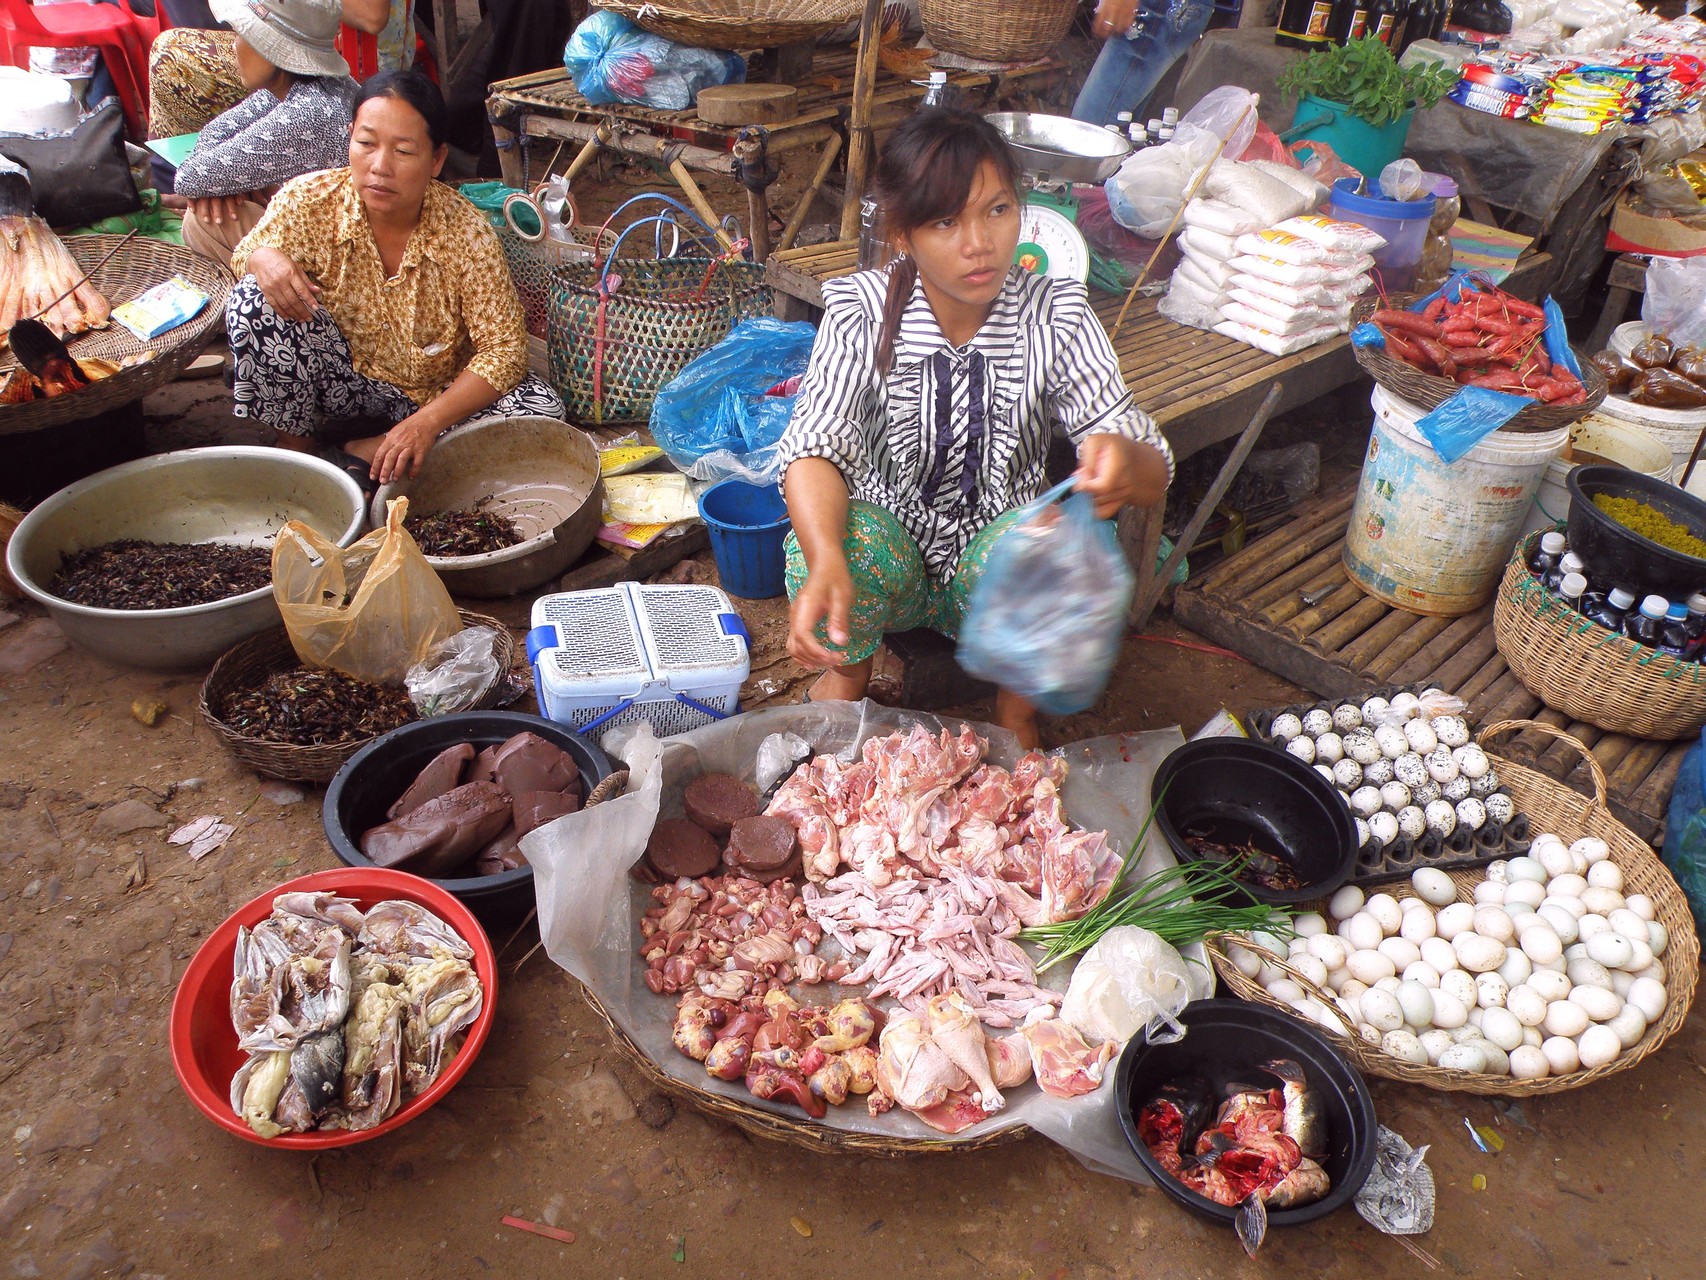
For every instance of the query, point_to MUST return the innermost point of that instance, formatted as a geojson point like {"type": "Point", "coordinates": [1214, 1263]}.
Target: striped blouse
{"type": "Point", "coordinates": [954, 436]}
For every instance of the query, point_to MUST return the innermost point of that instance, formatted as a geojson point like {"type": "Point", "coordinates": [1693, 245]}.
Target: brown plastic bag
{"type": "Point", "coordinates": [370, 610]}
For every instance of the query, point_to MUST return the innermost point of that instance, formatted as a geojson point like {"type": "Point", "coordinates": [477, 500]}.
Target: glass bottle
{"type": "Point", "coordinates": [1303, 24]}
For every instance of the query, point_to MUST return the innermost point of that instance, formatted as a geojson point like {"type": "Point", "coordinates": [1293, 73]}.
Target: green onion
{"type": "Point", "coordinates": [1181, 905]}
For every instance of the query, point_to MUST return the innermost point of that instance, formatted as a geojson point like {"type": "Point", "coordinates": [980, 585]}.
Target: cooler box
{"type": "Point", "coordinates": [673, 656]}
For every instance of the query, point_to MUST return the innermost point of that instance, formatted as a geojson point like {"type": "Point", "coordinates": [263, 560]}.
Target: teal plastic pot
{"type": "Point", "coordinates": [1366, 148]}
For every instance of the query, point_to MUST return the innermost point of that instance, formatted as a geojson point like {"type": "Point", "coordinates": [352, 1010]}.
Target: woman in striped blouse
{"type": "Point", "coordinates": [924, 420]}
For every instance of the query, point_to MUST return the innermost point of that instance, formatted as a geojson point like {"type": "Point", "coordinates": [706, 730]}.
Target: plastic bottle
{"type": "Point", "coordinates": [1673, 635]}
{"type": "Point", "coordinates": [939, 93]}
{"type": "Point", "coordinates": [1696, 625]}
{"type": "Point", "coordinates": [1647, 625]}
{"type": "Point", "coordinates": [1572, 588]}
{"type": "Point", "coordinates": [1170, 115]}
{"type": "Point", "coordinates": [1551, 550]}
{"type": "Point", "coordinates": [1608, 608]}
{"type": "Point", "coordinates": [1138, 136]}
{"type": "Point", "coordinates": [1568, 563]}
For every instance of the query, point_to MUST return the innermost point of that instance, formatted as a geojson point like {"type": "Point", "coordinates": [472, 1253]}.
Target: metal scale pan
{"type": "Point", "coordinates": [1054, 152]}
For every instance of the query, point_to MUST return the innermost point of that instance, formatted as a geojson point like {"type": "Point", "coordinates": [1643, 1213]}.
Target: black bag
{"type": "Point", "coordinates": [80, 176]}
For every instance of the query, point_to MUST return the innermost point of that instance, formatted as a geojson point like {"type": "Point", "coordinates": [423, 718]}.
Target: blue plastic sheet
{"type": "Point", "coordinates": [1046, 618]}
{"type": "Point", "coordinates": [1459, 424]}
{"type": "Point", "coordinates": [611, 59]}
{"type": "Point", "coordinates": [1685, 832]}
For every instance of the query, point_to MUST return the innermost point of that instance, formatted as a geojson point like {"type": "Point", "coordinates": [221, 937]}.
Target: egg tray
{"type": "Point", "coordinates": [1377, 864]}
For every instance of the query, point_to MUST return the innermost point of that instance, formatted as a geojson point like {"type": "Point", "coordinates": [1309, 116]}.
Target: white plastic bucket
{"type": "Point", "coordinates": [1620, 443]}
{"type": "Point", "coordinates": [1676, 430]}
{"type": "Point", "coordinates": [1430, 536]}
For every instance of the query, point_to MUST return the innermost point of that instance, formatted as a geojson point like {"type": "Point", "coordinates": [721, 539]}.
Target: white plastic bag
{"type": "Point", "coordinates": [1146, 192]}
{"type": "Point", "coordinates": [1220, 218]}
{"type": "Point", "coordinates": [1205, 243]}
{"type": "Point", "coordinates": [1213, 272]}
{"type": "Point", "coordinates": [1227, 112]}
{"type": "Point", "coordinates": [1312, 192]}
{"type": "Point", "coordinates": [1244, 186]}
{"type": "Point", "coordinates": [1128, 981]}
{"type": "Point", "coordinates": [1275, 344]}
{"type": "Point", "coordinates": [1338, 272]}
{"type": "Point", "coordinates": [1349, 238]}
{"type": "Point", "coordinates": [1675, 302]}
{"type": "Point", "coordinates": [1301, 320]}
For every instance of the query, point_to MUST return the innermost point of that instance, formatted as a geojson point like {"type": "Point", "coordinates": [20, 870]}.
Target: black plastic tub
{"type": "Point", "coordinates": [1229, 1039]}
{"type": "Point", "coordinates": [1617, 556]}
{"type": "Point", "coordinates": [1238, 789]}
{"type": "Point", "coordinates": [373, 778]}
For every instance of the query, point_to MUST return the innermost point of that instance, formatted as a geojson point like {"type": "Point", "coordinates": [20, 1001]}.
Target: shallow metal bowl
{"type": "Point", "coordinates": [541, 473]}
{"type": "Point", "coordinates": [1060, 149]}
{"type": "Point", "coordinates": [237, 494]}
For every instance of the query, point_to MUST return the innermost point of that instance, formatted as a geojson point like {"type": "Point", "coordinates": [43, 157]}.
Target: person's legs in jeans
{"type": "Point", "coordinates": [1130, 66]}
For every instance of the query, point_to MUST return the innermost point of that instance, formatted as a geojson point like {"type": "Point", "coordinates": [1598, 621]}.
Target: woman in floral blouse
{"type": "Point", "coordinates": [376, 293]}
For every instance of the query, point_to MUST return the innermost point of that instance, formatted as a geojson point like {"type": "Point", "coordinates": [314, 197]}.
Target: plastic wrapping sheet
{"type": "Point", "coordinates": [589, 907]}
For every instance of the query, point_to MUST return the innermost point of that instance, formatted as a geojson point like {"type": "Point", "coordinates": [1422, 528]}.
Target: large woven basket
{"type": "Point", "coordinates": [738, 24]}
{"type": "Point", "coordinates": [610, 357]}
{"type": "Point", "coordinates": [531, 263]}
{"type": "Point", "coordinates": [136, 266]}
{"type": "Point", "coordinates": [1574, 665]}
{"type": "Point", "coordinates": [246, 665]}
{"type": "Point", "coordinates": [1553, 807]}
{"type": "Point", "coordinates": [797, 1130]}
{"type": "Point", "coordinates": [1005, 32]}
{"type": "Point", "coordinates": [1430, 391]}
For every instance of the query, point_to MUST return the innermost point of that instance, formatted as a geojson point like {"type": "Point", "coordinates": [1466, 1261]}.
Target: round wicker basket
{"type": "Point", "coordinates": [1553, 807]}
{"type": "Point", "coordinates": [135, 266]}
{"type": "Point", "coordinates": [258, 657]}
{"type": "Point", "coordinates": [738, 24]}
{"type": "Point", "coordinates": [1430, 391]}
{"type": "Point", "coordinates": [1574, 665]}
{"type": "Point", "coordinates": [1004, 32]}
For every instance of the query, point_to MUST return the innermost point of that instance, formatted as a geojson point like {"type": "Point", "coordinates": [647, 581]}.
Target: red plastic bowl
{"type": "Point", "coordinates": [204, 1043]}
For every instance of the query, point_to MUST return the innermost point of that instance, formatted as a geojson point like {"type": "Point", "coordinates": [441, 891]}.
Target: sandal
{"type": "Point", "coordinates": [356, 468]}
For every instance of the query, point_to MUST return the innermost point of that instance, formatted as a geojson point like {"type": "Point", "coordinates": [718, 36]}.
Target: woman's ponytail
{"type": "Point", "coordinates": [903, 275]}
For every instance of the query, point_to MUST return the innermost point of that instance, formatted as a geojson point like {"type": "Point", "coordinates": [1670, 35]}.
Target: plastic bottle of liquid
{"type": "Point", "coordinates": [1139, 137]}
{"type": "Point", "coordinates": [1545, 559]}
{"type": "Point", "coordinates": [1673, 635]}
{"type": "Point", "coordinates": [1696, 625]}
{"type": "Point", "coordinates": [1608, 608]}
{"type": "Point", "coordinates": [1571, 588]}
{"type": "Point", "coordinates": [1647, 625]}
{"type": "Point", "coordinates": [939, 93]}
{"type": "Point", "coordinates": [1568, 563]}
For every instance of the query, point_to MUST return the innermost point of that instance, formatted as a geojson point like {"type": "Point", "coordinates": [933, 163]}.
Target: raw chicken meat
{"type": "Point", "coordinates": [957, 1033]}
{"type": "Point", "coordinates": [1065, 1065]}
{"type": "Point", "coordinates": [912, 1068]}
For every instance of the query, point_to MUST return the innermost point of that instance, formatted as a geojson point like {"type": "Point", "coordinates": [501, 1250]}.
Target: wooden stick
{"type": "Point", "coordinates": [1692, 459]}
{"type": "Point", "coordinates": [859, 141]}
{"type": "Point", "coordinates": [797, 218]}
{"type": "Point", "coordinates": [1171, 227]}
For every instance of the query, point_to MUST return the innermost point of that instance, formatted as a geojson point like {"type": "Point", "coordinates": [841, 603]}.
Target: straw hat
{"type": "Point", "coordinates": [299, 36]}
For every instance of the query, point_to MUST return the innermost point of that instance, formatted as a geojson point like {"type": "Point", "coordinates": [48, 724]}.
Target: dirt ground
{"type": "Point", "coordinates": [115, 1173]}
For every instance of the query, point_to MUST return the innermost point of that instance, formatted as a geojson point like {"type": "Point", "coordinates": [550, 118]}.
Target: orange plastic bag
{"type": "Point", "coordinates": [371, 610]}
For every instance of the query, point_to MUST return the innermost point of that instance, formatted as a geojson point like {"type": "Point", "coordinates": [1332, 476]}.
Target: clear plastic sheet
{"type": "Point", "coordinates": [589, 907]}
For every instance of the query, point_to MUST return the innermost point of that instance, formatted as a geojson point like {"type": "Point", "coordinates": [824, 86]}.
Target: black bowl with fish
{"type": "Point", "coordinates": [374, 777]}
{"type": "Point", "coordinates": [1263, 816]}
{"type": "Point", "coordinates": [1236, 1060]}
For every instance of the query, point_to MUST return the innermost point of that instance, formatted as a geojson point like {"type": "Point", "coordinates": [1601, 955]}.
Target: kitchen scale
{"type": "Point", "coordinates": [1054, 152]}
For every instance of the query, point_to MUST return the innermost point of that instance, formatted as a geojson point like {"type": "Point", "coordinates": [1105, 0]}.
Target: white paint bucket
{"type": "Point", "coordinates": [1620, 443]}
{"type": "Point", "coordinates": [1434, 537]}
{"type": "Point", "coordinates": [1676, 430]}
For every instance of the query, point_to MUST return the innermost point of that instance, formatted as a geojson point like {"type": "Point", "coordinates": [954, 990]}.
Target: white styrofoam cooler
{"type": "Point", "coordinates": [674, 656]}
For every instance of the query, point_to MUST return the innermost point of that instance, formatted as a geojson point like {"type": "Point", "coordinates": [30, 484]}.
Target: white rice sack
{"type": "Point", "coordinates": [1219, 217]}
{"type": "Point", "coordinates": [1214, 270]}
{"type": "Point", "coordinates": [1280, 310]}
{"type": "Point", "coordinates": [1319, 295]}
{"type": "Point", "coordinates": [1302, 320]}
{"type": "Point", "coordinates": [1245, 187]}
{"type": "Point", "coordinates": [1146, 191]}
{"type": "Point", "coordinates": [1208, 244]}
{"type": "Point", "coordinates": [1313, 194]}
{"type": "Point", "coordinates": [1333, 235]}
{"type": "Point", "coordinates": [1275, 344]}
{"type": "Point", "coordinates": [1188, 270]}
{"type": "Point", "coordinates": [1189, 304]}
{"type": "Point", "coordinates": [1336, 272]}
{"type": "Point", "coordinates": [1285, 248]}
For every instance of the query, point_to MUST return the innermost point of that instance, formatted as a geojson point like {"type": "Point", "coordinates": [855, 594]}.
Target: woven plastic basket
{"type": "Point", "coordinates": [531, 263]}
{"type": "Point", "coordinates": [246, 665]}
{"type": "Point", "coordinates": [1553, 807]}
{"type": "Point", "coordinates": [610, 354]}
{"type": "Point", "coordinates": [138, 265]}
{"type": "Point", "coordinates": [998, 31]}
{"type": "Point", "coordinates": [738, 24]}
{"type": "Point", "coordinates": [1430, 391]}
{"type": "Point", "coordinates": [1574, 665]}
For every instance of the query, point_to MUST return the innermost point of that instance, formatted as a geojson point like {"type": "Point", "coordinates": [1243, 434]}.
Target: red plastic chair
{"type": "Point", "coordinates": [105, 27]}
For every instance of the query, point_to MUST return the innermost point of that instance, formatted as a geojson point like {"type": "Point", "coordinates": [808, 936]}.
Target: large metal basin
{"type": "Point", "coordinates": [1060, 149]}
{"type": "Point", "coordinates": [239, 494]}
{"type": "Point", "coordinates": [541, 473]}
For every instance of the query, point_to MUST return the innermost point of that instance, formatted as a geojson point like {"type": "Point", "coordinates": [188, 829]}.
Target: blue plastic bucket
{"type": "Point", "coordinates": [748, 523]}
{"type": "Point", "coordinates": [1404, 223]}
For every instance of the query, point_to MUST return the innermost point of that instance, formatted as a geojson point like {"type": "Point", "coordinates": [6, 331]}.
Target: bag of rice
{"type": "Point", "coordinates": [1303, 319]}
{"type": "Point", "coordinates": [1188, 270]}
{"type": "Point", "coordinates": [1280, 311]}
{"type": "Point", "coordinates": [1246, 187]}
{"type": "Point", "coordinates": [1274, 344]}
{"type": "Point", "coordinates": [1208, 244]}
{"type": "Point", "coordinates": [1188, 305]}
{"type": "Point", "coordinates": [1285, 247]}
{"type": "Point", "coordinates": [1338, 271]}
{"type": "Point", "coordinates": [1220, 218]}
{"type": "Point", "coordinates": [1214, 270]}
{"type": "Point", "coordinates": [1287, 294]}
{"type": "Point", "coordinates": [1332, 235]}
{"type": "Point", "coordinates": [1313, 194]}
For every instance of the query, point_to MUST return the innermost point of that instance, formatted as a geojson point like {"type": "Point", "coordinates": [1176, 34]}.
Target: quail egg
{"type": "Point", "coordinates": [1347, 774]}
{"type": "Point", "coordinates": [1426, 793]}
{"type": "Point", "coordinates": [1471, 761]}
{"type": "Point", "coordinates": [1394, 795]}
{"type": "Point", "coordinates": [1472, 813]}
{"type": "Point", "coordinates": [1347, 716]}
{"type": "Point", "coordinates": [1286, 726]}
{"type": "Point", "coordinates": [1303, 747]}
{"type": "Point", "coordinates": [1379, 773]}
{"type": "Point", "coordinates": [1374, 708]}
{"type": "Point", "coordinates": [1441, 816]}
{"type": "Point", "coordinates": [1420, 736]}
{"type": "Point", "coordinates": [1383, 827]}
{"type": "Point", "coordinates": [1392, 741]}
{"type": "Point", "coordinates": [1329, 748]}
{"type": "Point", "coordinates": [1441, 767]}
{"type": "Point", "coordinates": [1452, 731]}
{"type": "Point", "coordinates": [1500, 808]}
{"type": "Point", "coordinates": [1362, 832]}
{"type": "Point", "coordinates": [1459, 788]}
{"type": "Point", "coordinates": [1317, 722]}
{"type": "Point", "coordinates": [1409, 769]}
{"type": "Point", "coordinates": [1361, 746]}
{"type": "Point", "coordinates": [1484, 786]}
{"type": "Point", "coordinates": [1366, 801]}
{"type": "Point", "coordinates": [1412, 822]}
{"type": "Point", "coordinates": [1325, 770]}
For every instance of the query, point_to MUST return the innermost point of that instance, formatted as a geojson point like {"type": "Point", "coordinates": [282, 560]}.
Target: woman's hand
{"type": "Point", "coordinates": [1113, 18]}
{"type": "Point", "coordinates": [284, 284]}
{"type": "Point", "coordinates": [218, 210]}
{"type": "Point", "coordinates": [1118, 471]}
{"type": "Point", "coordinates": [827, 594]}
{"type": "Point", "coordinates": [403, 448]}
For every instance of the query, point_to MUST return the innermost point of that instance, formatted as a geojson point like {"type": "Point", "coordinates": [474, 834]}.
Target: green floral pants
{"type": "Point", "coordinates": [891, 590]}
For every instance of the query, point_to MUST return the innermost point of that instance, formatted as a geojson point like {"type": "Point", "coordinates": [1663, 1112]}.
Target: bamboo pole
{"type": "Point", "coordinates": [859, 141]}
{"type": "Point", "coordinates": [797, 218]}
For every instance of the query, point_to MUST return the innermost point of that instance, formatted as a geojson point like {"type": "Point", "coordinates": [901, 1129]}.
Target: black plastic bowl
{"type": "Point", "coordinates": [1617, 556]}
{"type": "Point", "coordinates": [1238, 787]}
{"type": "Point", "coordinates": [373, 778]}
{"type": "Point", "coordinates": [1227, 1039]}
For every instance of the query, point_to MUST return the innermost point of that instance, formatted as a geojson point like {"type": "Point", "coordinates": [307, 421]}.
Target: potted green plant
{"type": "Point", "coordinates": [1358, 99]}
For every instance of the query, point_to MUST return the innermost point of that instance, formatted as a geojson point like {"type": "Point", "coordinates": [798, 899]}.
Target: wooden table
{"type": "Point", "coordinates": [546, 107]}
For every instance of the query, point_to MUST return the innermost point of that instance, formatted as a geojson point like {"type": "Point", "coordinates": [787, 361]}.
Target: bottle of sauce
{"type": "Point", "coordinates": [1547, 555]}
{"type": "Point", "coordinates": [1568, 563]}
{"type": "Point", "coordinates": [1696, 625]}
{"type": "Point", "coordinates": [1673, 635]}
{"type": "Point", "coordinates": [1646, 626]}
{"type": "Point", "coordinates": [1349, 21]}
{"type": "Point", "coordinates": [1303, 24]}
{"type": "Point", "coordinates": [1571, 588]}
{"type": "Point", "coordinates": [1383, 20]}
{"type": "Point", "coordinates": [1608, 608]}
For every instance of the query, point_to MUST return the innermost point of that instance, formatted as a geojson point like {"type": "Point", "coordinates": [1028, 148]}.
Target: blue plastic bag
{"type": "Point", "coordinates": [714, 419]}
{"type": "Point", "coordinates": [611, 59]}
{"type": "Point", "coordinates": [1470, 415]}
{"type": "Point", "coordinates": [1684, 853]}
{"type": "Point", "coordinates": [1046, 619]}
